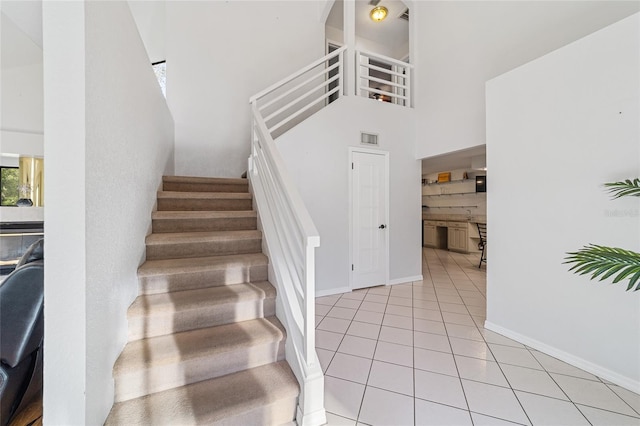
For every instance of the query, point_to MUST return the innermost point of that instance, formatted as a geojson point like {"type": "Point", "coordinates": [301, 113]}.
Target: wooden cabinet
{"type": "Point", "coordinates": [458, 239]}
{"type": "Point", "coordinates": [430, 234]}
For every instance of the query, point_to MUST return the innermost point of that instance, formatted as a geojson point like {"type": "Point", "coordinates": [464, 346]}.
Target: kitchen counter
{"type": "Point", "coordinates": [453, 217]}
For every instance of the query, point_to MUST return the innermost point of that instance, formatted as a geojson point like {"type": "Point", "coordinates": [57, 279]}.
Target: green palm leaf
{"type": "Point", "coordinates": [621, 189]}
{"type": "Point", "coordinates": [604, 262]}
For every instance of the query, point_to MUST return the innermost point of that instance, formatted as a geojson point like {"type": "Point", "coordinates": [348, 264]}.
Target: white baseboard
{"type": "Point", "coordinates": [405, 280]}
{"type": "Point", "coordinates": [588, 366]}
{"type": "Point", "coordinates": [332, 291]}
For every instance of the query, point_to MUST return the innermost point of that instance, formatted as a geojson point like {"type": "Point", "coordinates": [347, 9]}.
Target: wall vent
{"type": "Point", "coordinates": [368, 139]}
{"type": "Point", "coordinates": [374, 2]}
{"type": "Point", "coordinates": [405, 15]}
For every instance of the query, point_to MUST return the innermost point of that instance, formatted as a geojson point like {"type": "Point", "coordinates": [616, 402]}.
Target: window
{"type": "Point", "coordinates": [160, 68]}
{"type": "Point", "coordinates": [8, 186]}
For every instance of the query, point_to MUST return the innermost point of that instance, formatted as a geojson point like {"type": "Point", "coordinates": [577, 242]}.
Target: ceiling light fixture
{"type": "Point", "coordinates": [378, 13]}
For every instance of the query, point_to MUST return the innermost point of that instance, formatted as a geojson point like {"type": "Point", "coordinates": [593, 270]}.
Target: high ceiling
{"type": "Point", "coordinates": [17, 48]}
{"type": "Point", "coordinates": [392, 32]}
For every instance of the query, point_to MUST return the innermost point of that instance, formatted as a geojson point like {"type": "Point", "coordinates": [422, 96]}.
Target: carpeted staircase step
{"type": "Point", "coordinates": [159, 276]}
{"type": "Point", "coordinates": [160, 363]}
{"type": "Point", "coordinates": [187, 201]}
{"type": "Point", "coordinates": [160, 314]}
{"type": "Point", "coordinates": [265, 395]}
{"type": "Point", "coordinates": [196, 221]}
{"type": "Point", "coordinates": [198, 244]}
{"type": "Point", "coordinates": [204, 184]}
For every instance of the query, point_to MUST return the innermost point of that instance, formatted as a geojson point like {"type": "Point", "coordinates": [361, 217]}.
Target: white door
{"type": "Point", "coordinates": [369, 218]}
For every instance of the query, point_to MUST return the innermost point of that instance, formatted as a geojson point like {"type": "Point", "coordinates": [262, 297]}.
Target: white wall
{"type": "Point", "coordinates": [336, 35]}
{"type": "Point", "coordinates": [459, 45]}
{"type": "Point", "coordinates": [106, 150]}
{"type": "Point", "coordinates": [218, 55]}
{"type": "Point", "coordinates": [557, 129]}
{"type": "Point", "coordinates": [150, 17]}
{"type": "Point", "coordinates": [316, 155]}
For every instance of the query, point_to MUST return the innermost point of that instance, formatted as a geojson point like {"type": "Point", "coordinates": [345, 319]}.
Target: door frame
{"type": "Point", "coordinates": [352, 150]}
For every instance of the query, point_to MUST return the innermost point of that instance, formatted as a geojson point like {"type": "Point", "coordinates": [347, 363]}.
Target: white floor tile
{"type": "Point", "coordinates": [349, 367]}
{"type": "Point", "coordinates": [452, 307]}
{"type": "Point", "coordinates": [376, 298]}
{"type": "Point", "coordinates": [499, 339]}
{"type": "Point", "coordinates": [455, 318]}
{"type": "Point", "coordinates": [427, 314]}
{"type": "Point", "coordinates": [404, 311]}
{"type": "Point", "coordinates": [514, 356]}
{"type": "Point", "coordinates": [464, 332]}
{"type": "Point", "coordinates": [343, 313]}
{"type": "Point", "coordinates": [325, 357]}
{"type": "Point", "coordinates": [372, 306]}
{"type": "Point", "coordinates": [335, 420]}
{"type": "Point", "coordinates": [363, 329]}
{"type": "Point", "coordinates": [348, 303]}
{"type": "Point", "coordinates": [426, 304]}
{"type": "Point", "coordinates": [534, 381]}
{"type": "Point", "coordinates": [435, 342]}
{"type": "Point", "coordinates": [322, 309]}
{"type": "Point", "coordinates": [594, 394]}
{"type": "Point", "coordinates": [335, 325]}
{"type": "Point", "coordinates": [368, 316]}
{"type": "Point", "coordinates": [328, 300]}
{"type": "Point", "coordinates": [427, 296]}
{"type": "Point", "coordinates": [427, 326]}
{"type": "Point", "coordinates": [633, 399]}
{"type": "Point", "coordinates": [554, 365]}
{"type": "Point", "coordinates": [494, 401]}
{"type": "Point", "coordinates": [384, 408]}
{"type": "Point", "coordinates": [450, 299]}
{"type": "Point", "coordinates": [396, 335]}
{"type": "Point", "coordinates": [480, 370]}
{"type": "Point", "coordinates": [319, 319]}
{"type": "Point", "coordinates": [342, 397]}
{"type": "Point", "coordinates": [470, 348]}
{"type": "Point", "coordinates": [383, 290]}
{"type": "Point", "coordinates": [400, 301]}
{"type": "Point", "coordinates": [482, 420]}
{"type": "Point", "coordinates": [606, 418]}
{"type": "Point", "coordinates": [398, 321]}
{"type": "Point", "coordinates": [437, 362]}
{"type": "Point", "coordinates": [354, 295]}
{"type": "Point", "coordinates": [439, 388]}
{"type": "Point", "coordinates": [391, 377]}
{"type": "Point", "coordinates": [394, 353]}
{"type": "Point", "coordinates": [550, 412]}
{"type": "Point", "coordinates": [328, 340]}
{"type": "Point", "coordinates": [358, 346]}
{"type": "Point", "coordinates": [432, 414]}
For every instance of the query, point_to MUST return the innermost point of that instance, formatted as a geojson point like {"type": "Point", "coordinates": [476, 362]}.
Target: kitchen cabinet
{"type": "Point", "coordinates": [430, 234]}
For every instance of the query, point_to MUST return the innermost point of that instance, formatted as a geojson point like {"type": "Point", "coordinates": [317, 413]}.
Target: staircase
{"type": "Point", "coordinates": [204, 343]}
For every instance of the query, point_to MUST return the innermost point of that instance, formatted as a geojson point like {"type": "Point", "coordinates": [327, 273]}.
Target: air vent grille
{"type": "Point", "coordinates": [405, 15]}
{"type": "Point", "coordinates": [374, 2]}
{"type": "Point", "coordinates": [368, 139]}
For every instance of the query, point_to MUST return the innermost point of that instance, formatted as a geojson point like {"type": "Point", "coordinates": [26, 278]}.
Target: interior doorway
{"type": "Point", "coordinates": [369, 211]}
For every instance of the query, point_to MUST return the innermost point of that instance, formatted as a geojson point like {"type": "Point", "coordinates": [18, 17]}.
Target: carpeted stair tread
{"type": "Point", "coordinates": [205, 342]}
{"type": "Point", "coordinates": [151, 304]}
{"type": "Point", "coordinates": [199, 179]}
{"type": "Point", "coordinates": [238, 398]}
{"type": "Point", "coordinates": [199, 264]}
{"type": "Point", "coordinates": [202, 214]}
{"type": "Point", "coordinates": [203, 195]}
{"type": "Point", "coordinates": [198, 237]}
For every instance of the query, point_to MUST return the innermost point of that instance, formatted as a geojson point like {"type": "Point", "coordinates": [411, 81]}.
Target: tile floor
{"type": "Point", "coordinates": [418, 354]}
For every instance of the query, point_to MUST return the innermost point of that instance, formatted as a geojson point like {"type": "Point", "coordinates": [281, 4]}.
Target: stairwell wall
{"type": "Point", "coordinates": [218, 55]}
{"type": "Point", "coordinates": [107, 149]}
{"type": "Point", "coordinates": [316, 155]}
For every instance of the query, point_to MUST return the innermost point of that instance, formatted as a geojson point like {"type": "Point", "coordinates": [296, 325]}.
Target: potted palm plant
{"type": "Point", "coordinates": [604, 262]}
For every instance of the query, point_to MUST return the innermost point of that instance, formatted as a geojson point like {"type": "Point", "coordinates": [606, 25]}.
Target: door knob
{"type": "Point", "coordinates": [382, 226]}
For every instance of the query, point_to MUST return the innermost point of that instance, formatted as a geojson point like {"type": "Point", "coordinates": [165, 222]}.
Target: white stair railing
{"type": "Point", "coordinates": [383, 78]}
{"type": "Point", "coordinates": [289, 233]}
{"type": "Point", "coordinates": [291, 100]}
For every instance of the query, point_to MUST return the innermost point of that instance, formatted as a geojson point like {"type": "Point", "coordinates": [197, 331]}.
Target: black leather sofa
{"type": "Point", "coordinates": [21, 335]}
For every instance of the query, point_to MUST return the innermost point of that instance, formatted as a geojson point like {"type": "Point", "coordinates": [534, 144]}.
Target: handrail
{"type": "Point", "coordinates": [396, 88]}
{"type": "Point", "coordinates": [296, 74]}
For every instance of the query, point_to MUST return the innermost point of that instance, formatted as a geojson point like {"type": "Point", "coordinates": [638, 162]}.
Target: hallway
{"type": "Point", "coordinates": [418, 353]}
